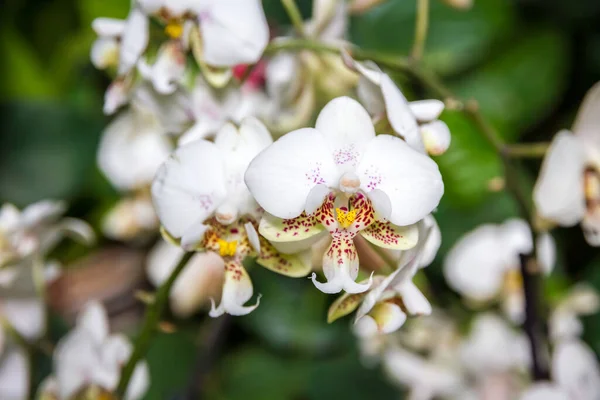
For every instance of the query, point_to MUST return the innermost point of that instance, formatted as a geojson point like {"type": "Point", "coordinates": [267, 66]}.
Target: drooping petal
{"type": "Point", "coordinates": [293, 265]}
{"type": "Point", "coordinates": [168, 69]}
{"type": "Point", "coordinates": [558, 193]}
{"type": "Point", "coordinates": [131, 150]}
{"type": "Point", "coordinates": [340, 266]}
{"type": "Point", "coordinates": [412, 181]}
{"type": "Point", "coordinates": [134, 40]}
{"type": "Point", "coordinates": [432, 242]}
{"type": "Point", "coordinates": [281, 176]}
{"type": "Point", "coordinates": [475, 266]}
{"type": "Point", "coordinates": [390, 236]}
{"type": "Point", "coordinates": [399, 114]}
{"type": "Point", "coordinates": [385, 317]}
{"type": "Point", "coordinates": [237, 290]}
{"type": "Point", "coordinates": [116, 95]}
{"type": "Point", "coordinates": [14, 375]}
{"type": "Point", "coordinates": [344, 305]}
{"type": "Point", "coordinates": [347, 128]}
{"type": "Point", "coordinates": [414, 301]}
{"type": "Point", "coordinates": [189, 186]}
{"type": "Point", "coordinates": [575, 369]}
{"type": "Point", "coordinates": [426, 110]}
{"type": "Point", "coordinates": [233, 32]}
{"type": "Point", "coordinates": [436, 137]}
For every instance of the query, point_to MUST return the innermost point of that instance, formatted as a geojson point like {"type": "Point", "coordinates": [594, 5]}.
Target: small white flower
{"type": "Point", "coordinates": [211, 110]}
{"type": "Point", "coordinates": [575, 375]}
{"type": "Point", "coordinates": [89, 356]}
{"type": "Point", "coordinates": [417, 122]}
{"type": "Point", "coordinates": [567, 191]}
{"type": "Point", "coordinates": [493, 347]}
{"type": "Point", "coordinates": [201, 280]}
{"type": "Point", "coordinates": [484, 264]}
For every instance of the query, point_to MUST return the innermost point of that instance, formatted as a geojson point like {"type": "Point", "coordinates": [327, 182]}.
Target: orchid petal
{"type": "Point", "coordinates": [340, 266]}
{"type": "Point", "coordinates": [237, 290]}
{"type": "Point", "coordinates": [587, 121]}
{"type": "Point", "coordinates": [116, 95]}
{"type": "Point", "coordinates": [315, 198]}
{"type": "Point", "coordinates": [193, 235]}
{"type": "Point", "coordinates": [426, 110]}
{"type": "Point", "coordinates": [390, 236]}
{"type": "Point", "coordinates": [104, 53]}
{"type": "Point", "coordinates": [292, 265]}
{"type": "Point", "coordinates": [26, 315]}
{"type": "Point", "coordinates": [108, 27]}
{"type": "Point", "coordinates": [381, 204]}
{"type": "Point", "coordinates": [558, 193]}
{"type": "Point", "coordinates": [591, 227]}
{"type": "Point", "coordinates": [233, 32]}
{"type": "Point", "coordinates": [94, 321]}
{"type": "Point", "coordinates": [281, 176]}
{"type": "Point", "coordinates": [575, 369]}
{"type": "Point", "coordinates": [168, 69]}
{"type": "Point", "coordinates": [432, 242]}
{"type": "Point", "coordinates": [189, 186]}
{"type": "Point", "coordinates": [411, 180]}
{"type": "Point", "coordinates": [401, 119]}
{"type": "Point", "coordinates": [388, 318]}
{"type": "Point", "coordinates": [544, 391]}
{"type": "Point", "coordinates": [139, 383]}
{"type": "Point", "coordinates": [253, 237]}
{"type": "Point", "coordinates": [14, 375]}
{"type": "Point", "coordinates": [344, 305]}
{"type": "Point", "coordinates": [134, 40]}
{"type": "Point", "coordinates": [414, 301]}
{"type": "Point", "coordinates": [347, 128]}
{"type": "Point", "coordinates": [436, 137]}
{"type": "Point", "coordinates": [290, 230]}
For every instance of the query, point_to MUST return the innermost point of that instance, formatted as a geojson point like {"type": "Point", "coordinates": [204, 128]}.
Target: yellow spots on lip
{"type": "Point", "coordinates": [174, 29]}
{"type": "Point", "coordinates": [227, 248]}
{"type": "Point", "coordinates": [345, 218]}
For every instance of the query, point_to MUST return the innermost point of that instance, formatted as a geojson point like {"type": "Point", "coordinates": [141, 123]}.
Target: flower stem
{"type": "Point", "coordinates": [527, 150]}
{"type": "Point", "coordinates": [151, 319]}
{"type": "Point", "coordinates": [295, 16]}
{"type": "Point", "coordinates": [421, 28]}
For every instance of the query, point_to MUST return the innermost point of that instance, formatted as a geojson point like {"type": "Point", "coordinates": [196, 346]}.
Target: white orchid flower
{"type": "Point", "coordinates": [493, 348]}
{"type": "Point", "coordinates": [131, 218]}
{"type": "Point", "coordinates": [484, 264]}
{"type": "Point", "coordinates": [227, 32]}
{"type": "Point", "coordinates": [575, 375]}
{"type": "Point", "coordinates": [308, 177]}
{"type": "Point", "coordinates": [567, 191]}
{"type": "Point", "coordinates": [202, 201]}
{"type": "Point", "coordinates": [168, 70]}
{"type": "Point", "coordinates": [425, 378]}
{"type": "Point", "coordinates": [201, 280]}
{"type": "Point", "coordinates": [89, 357]}
{"type": "Point", "coordinates": [211, 110]}
{"type": "Point", "coordinates": [416, 121]}
{"type": "Point", "coordinates": [105, 50]}
{"type": "Point", "coordinates": [564, 322]}
{"type": "Point", "coordinates": [26, 236]}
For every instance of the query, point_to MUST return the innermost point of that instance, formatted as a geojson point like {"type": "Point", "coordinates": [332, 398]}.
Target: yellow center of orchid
{"type": "Point", "coordinates": [174, 29]}
{"type": "Point", "coordinates": [345, 218]}
{"type": "Point", "coordinates": [227, 248]}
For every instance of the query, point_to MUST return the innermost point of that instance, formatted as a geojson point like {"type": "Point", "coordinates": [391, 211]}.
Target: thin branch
{"type": "Point", "coordinates": [533, 322]}
{"type": "Point", "coordinates": [295, 16]}
{"type": "Point", "coordinates": [527, 150]}
{"type": "Point", "coordinates": [421, 29]}
{"type": "Point", "coordinates": [153, 314]}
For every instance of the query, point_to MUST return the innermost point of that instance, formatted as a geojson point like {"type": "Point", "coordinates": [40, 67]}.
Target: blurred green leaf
{"type": "Point", "coordinates": [456, 41]}
{"type": "Point", "coordinates": [521, 86]}
{"type": "Point", "coordinates": [292, 315]}
{"type": "Point", "coordinates": [170, 359]}
{"type": "Point", "coordinates": [48, 151]}
{"type": "Point", "coordinates": [469, 163]}
{"type": "Point", "coordinates": [24, 75]}
{"type": "Point", "coordinates": [92, 9]}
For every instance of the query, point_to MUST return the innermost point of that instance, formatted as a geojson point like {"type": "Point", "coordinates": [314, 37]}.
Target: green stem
{"type": "Point", "coordinates": [153, 314]}
{"type": "Point", "coordinates": [527, 150]}
{"type": "Point", "coordinates": [421, 28]}
{"type": "Point", "coordinates": [295, 16]}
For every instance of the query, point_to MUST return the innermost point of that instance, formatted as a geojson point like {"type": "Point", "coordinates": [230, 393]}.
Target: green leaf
{"type": "Point", "coordinates": [285, 325]}
{"type": "Point", "coordinates": [456, 41]}
{"type": "Point", "coordinates": [49, 151]}
{"type": "Point", "coordinates": [521, 86]}
{"type": "Point", "coordinates": [469, 163]}
{"type": "Point", "coordinates": [24, 75]}
{"type": "Point", "coordinates": [170, 360]}
{"type": "Point", "coordinates": [91, 9]}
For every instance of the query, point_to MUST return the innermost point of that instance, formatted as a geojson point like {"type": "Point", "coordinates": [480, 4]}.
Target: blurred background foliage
{"type": "Point", "coordinates": [528, 64]}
